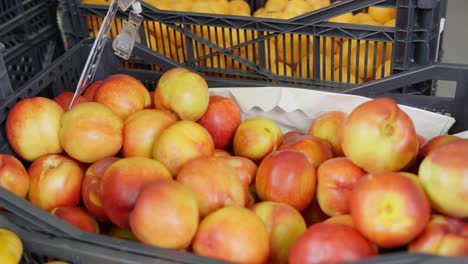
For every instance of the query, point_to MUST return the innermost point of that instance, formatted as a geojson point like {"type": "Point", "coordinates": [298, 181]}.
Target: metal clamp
{"type": "Point", "coordinates": [123, 44]}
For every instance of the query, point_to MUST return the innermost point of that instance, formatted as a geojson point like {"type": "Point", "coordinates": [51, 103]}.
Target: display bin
{"type": "Point", "coordinates": [29, 32]}
{"type": "Point", "coordinates": [39, 247]}
{"type": "Point", "coordinates": [314, 50]}
{"type": "Point", "coordinates": [64, 74]}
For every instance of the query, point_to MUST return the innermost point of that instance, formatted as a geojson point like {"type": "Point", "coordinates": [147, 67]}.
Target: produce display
{"type": "Point", "coordinates": [179, 168]}
{"type": "Point", "coordinates": [289, 55]}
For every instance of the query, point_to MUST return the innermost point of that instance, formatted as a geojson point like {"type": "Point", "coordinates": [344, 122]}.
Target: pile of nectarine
{"type": "Point", "coordinates": [181, 169]}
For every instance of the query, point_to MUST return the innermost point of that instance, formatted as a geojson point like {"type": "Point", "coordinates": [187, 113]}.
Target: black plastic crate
{"type": "Point", "coordinates": [240, 47]}
{"type": "Point", "coordinates": [28, 29]}
{"type": "Point", "coordinates": [39, 247]}
{"type": "Point", "coordinates": [64, 74]}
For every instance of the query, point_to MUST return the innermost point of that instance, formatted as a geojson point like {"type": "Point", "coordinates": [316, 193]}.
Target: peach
{"type": "Point", "coordinates": [330, 243]}
{"type": "Point", "coordinates": [257, 137]}
{"type": "Point", "coordinates": [123, 182]}
{"type": "Point", "coordinates": [32, 128]}
{"type": "Point", "coordinates": [214, 182]}
{"type": "Point", "coordinates": [91, 90]}
{"type": "Point", "coordinates": [91, 191]}
{"type": "Point", "coordinates": [123, 94]}
{"type": "Point", "coordinates": [284, 225]}
{"type": "Point", "coordinates": [444, 176]}
{"type": "Point", "coordinates": [55, 181]}
{"type": "Point", "coordinates": [329, 127]}
{"type": "Point", "coordinates": [165, 215]}
{"type": "Point", "coordinates": [90, 132]}
{"type": "Point", "coordinates": [316, 150]}
{"type": "Point", "coordinates": [233, 234]}
{"type": "Point", "coordinates": [221, 153]}
{"type": "Point", "coordinates": [345, 219]}
{"type": "Point", "coordinates": [286, 176]}
{"type": "Point", "coordinates": [183, 92]}
{"type": "Point", "coordinates": [181, 142]}
{"type": "Point", "coordinates": [390, 209]}
{"type": "Point", "coordinates": [379, 137]}
{"type": "Point", "coordinates": [77, 217]}
{"type": "Point", "coordinates": [13, 176]}
{"type": "Point", "coordinates": [335, 181]}
{"type": "Point", "coordinates": [313, 213]}
{"type": "Point", "coordinates": [64, 100]}
{"type": "Point", "coordinates": [141, 129]}
{"type": "Point", "coordinates": [221, 120]}
{"type": "Point", "coordinates": [443, 236]}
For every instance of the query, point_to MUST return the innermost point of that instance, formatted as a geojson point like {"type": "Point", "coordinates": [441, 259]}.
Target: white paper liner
{"type": "Point", "coordinates": [295, 109]}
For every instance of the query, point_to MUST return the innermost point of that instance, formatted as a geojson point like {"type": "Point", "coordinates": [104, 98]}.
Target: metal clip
{"type": "Point", "coordinates": [124, 42]}
{"type": "Point", "coordinates": [125, 4]}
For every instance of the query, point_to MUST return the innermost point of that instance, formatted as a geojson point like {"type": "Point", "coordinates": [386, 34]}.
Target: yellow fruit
{"type": "Point", "coordinates": [281, 69]}
{"type": "Point", "coordinates": [387, 67]}
{"type": "Point", "coordinates": [344, 76]}
{"type": "Point", "coordinates": [292, 47]}
{"type": "Point", "coordinates": [365, 19]}
{"type": "Point", "coordinates": [159, 4]}
{"type": "Point", "coordinates": [259, 12]}
{"type": "Point", "coordinates": [297, 7]}
{"type": "Point", "coordinates": [345, 18]}
{"type": "Point", "coordinates": [275, 5]}
{"type": "Point", "coordinates": [163, 31]}
{"type": "Point", "coordinates": [11, 247]}
{"type": "Point", "coordinates": [319, 3]}
{"type": "Point", "coordinates": [162, 46]}
{"type": "Point", "coordinates": [382, 14]}
{"type": "Point", "coordinates": [97, 2]}
{"type": "Point", "coordinates": [208, 7]}
{"type": "Point", "coordinates": [94, 24]}
{"type": "Point", "coordinates": [217, 62]}
{"type": "Point", "coordinates": [179, 55]}
{"type": "Point", "coordinates": [305, 69]}
{"type": "Point", "coordinates": [390, 23]}
{"type": "Point", "coordinates": [238, 8]}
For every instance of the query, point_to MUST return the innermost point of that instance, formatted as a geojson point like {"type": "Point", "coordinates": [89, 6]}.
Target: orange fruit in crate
{"type": "Point", "coordinates": [390, 23]}
{"type": "Point", "coordinates": [387, 66]}
{"type": "Point", "coordinates": [239, 36]}
{"type": "Point", "coordinates": [251, 53]}
{"type": "Point", "coordinates": [238, 8]}
{"type": "Point", "coordinates": [365, 61]}
{"type": "Point", "coordinates": [97, 2]}
{"type": "Point", "coordinates": [305, 69]}
{"type": "Point", "coordinates": [292, 47]}
{"type": "Point", "coordinates": [382, 14]}
{"type": "Point", "coordinates": [365, 19]}
{"type": "Point", "coordinates": [210, 7]}
{"type": "Point", "coordinates": [159, 4]}
{"type": "Point", "coordinates": [329, 48]}
{"type": "Point", "coordinates": [164, 32]}
{"type": "Point", "coordinates": [94, 24]}
{"type": "Point", "coordinates": [281, 69]}
{"type": "Point", "coordinates": [344, 76]}
{"type": "Point", "coordinates": [275, 5]}
{"type": "Point", "coordinates": [162, 46]}
{"type": "Point", "coordinates": [217, 35]}
{"type": "Point", "coordinates": [179, 55]}
{"type": "Point", "coordinates": [298, 7]}
{"type": "Point", "coordinates": [345, 18]}
{"type": "Point", "coordinates": [319, 3]}
{"type": "Point", "coordinates": [218, 62]}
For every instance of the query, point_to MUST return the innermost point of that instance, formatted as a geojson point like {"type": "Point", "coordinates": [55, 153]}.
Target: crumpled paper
{"type": "Point", "coordinates": [295, 109]}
